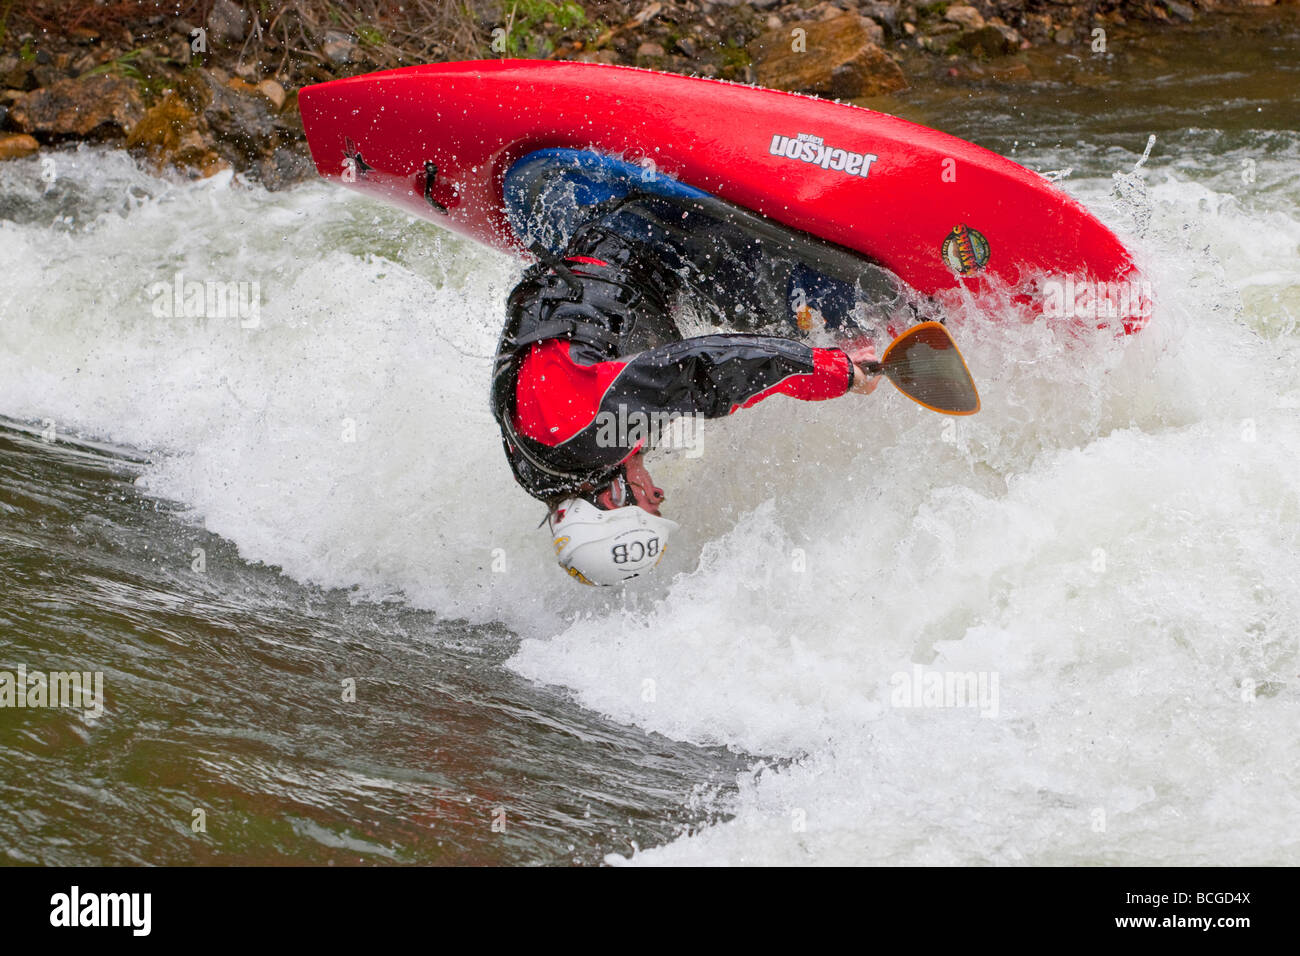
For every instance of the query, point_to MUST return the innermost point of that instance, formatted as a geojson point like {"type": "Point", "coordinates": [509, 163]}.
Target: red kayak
{"type": "Point", "coordinates": [513, 152]}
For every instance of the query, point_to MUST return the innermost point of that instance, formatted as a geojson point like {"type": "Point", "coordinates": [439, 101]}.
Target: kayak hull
{"type": "Point", "coordinates": [951, 219]}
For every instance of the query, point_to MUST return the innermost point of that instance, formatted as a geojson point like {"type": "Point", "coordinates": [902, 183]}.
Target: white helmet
{"type": "Point", "coordinates": [607, 547]}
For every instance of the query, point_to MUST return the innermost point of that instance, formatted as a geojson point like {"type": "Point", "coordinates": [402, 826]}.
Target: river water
{"type": "Point", "coordinates": [328, 630]}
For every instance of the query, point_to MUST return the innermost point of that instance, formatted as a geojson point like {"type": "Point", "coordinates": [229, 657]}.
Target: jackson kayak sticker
{"type": "Point", "coordinates": [808, 148]}
{"type": "Point", "coordinates": [965, 250]}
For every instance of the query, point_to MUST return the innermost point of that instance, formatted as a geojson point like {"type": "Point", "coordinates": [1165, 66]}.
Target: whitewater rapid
{"type": "Point", "coordinates": [1113, 539]}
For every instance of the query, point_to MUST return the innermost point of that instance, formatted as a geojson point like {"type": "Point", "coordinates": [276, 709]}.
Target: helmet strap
{"type": "Point", "coordinates": [619, 492]}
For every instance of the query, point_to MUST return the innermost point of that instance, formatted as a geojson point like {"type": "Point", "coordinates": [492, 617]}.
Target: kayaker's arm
{"type": "Point", "coordinates": [716, 375]}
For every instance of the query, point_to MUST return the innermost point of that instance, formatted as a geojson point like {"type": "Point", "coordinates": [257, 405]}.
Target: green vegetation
{"type": "Point", "coordinates": [734, 57]}
{"type": "Point", "coordinates": [151, 84]}
{"type": "Point", "coordinates": [124, 64]}
{"type": "Point", "coordinates": [369, 36]}
{"type": "Point", "coordinates": [932, 11]}
{"type": "Point", "coordinates": [526, 22]}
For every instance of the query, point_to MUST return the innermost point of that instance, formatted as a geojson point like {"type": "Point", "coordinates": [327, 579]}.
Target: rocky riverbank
{"type": "Point", "coordinates": [203, 85]}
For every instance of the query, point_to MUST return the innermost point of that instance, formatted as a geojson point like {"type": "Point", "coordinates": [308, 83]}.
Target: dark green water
{"type": "Point", "coordinates": [225, 694]}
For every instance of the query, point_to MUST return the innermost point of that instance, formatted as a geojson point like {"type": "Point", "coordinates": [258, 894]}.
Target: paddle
{"type": "Point", "coordinates": [925, 365]}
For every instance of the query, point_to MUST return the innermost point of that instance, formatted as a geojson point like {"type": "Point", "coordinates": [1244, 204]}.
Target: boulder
{"type": "Point", "coordinates": [283, 168]}
{"type": "Point", "coordinates": [92, 107]}
{"type": "Point", "coordinates": [988, 42]}
{"type": "Point", "coordinates": [161, 128]}
{"type": "Point", "coordinates": [244, 127]}
{"type": "Point", "coordinates": [339, 47]}
{"type": "Point", "coordinates": [241, 85]}
{"type": "Point", "coordinates": [240, 119]}
{"type": "Point", "coordinates": [273, 93]}
{"type": "Point", "coordinates": [838, 58]}
{"type": "Point", "coordinates": [227, 21]}
{"type": "Point", "coordinates": [17, 145]}
{"type": "Point", "coordinates": [1037, 26]}
{"type": "Point", "coordinates": [15, 74]}
{"type": "Point", "coordinates": [824, 11]}
{"type": "Point", "coordinates": [172, 134]}
{"type": "Point", "coordinates": [968, 18]}
{"type": "Point", "coordinates": [886, 14]}
{"type": "Point", "coordinates": [47, 75]}
{"type": "Point", "coordinates": [874, 31]}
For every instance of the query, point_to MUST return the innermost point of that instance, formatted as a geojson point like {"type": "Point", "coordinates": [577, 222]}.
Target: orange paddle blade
{"type": "Point", "coordinates": [925, 364]}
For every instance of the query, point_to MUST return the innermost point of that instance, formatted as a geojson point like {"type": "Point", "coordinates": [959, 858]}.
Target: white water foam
{"type": "Point", "coordinates": [1114, 536]}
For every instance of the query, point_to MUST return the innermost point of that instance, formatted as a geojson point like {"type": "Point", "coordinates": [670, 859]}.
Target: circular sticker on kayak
{"type": "Point", "coordinates": [965, 250]}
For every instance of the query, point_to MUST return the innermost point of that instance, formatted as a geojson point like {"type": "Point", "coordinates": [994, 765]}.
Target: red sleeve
{"type": "Point", "coordinates": [831, 377]}
{"type": "Point", "coordinates": [557, 397]}
{"type": "Point", "coordinates": [716, 375]}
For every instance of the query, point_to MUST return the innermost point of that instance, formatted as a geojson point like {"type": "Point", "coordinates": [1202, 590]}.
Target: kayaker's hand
{"type": "Point", "coordinates": [864, 382]}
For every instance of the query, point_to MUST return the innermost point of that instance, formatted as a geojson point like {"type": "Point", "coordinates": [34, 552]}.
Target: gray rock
{"type": "Point", "coordinates": [241, 123]}
{"type": "Point", "coordinates": [273, 92]}
{"type": "Point", "coordinates": [339, 47]}
{"type": "Point", "coordinates": [874, 30]}
{"type": "Point", "coordinates": [840, 59]}
{"type": "Point", "coordinates": [47, 75]}
{"type": "Point", "coordinates": [966, 17]}
{"type": "Point", "coordinates": [15, 74]}
{"type": "Point", "coordinates": [989, 41]}
{"type": "Point", "coordinates": [284, 168]}
{"type": "Point", "coordinates": [598, 56]}
{"type": "Point", "coordinates": [100, 107]}
{"type": "Point", "coordinates": [886, 14]}
{"type": "Point", "coordinates": [227, 21]}
{"type": "Point", "coordinates": [1181, 10]}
